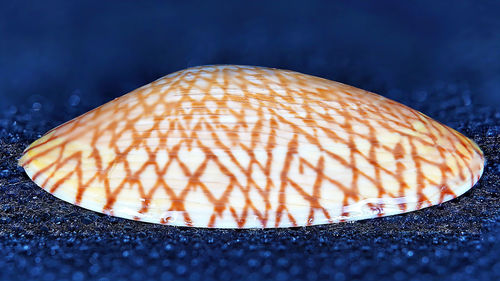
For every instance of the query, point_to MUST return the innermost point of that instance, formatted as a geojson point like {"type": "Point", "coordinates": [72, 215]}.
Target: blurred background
{"type": "Point", "coordinates": [59, 59]}
{"type": "Point", "coordinates": [84, 53]}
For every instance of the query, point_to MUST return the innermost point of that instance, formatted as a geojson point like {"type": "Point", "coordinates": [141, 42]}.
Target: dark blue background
{"type": "Point", "coordinates": [59, 59]}
{"type": "Point", "coordinates": [102, 49]}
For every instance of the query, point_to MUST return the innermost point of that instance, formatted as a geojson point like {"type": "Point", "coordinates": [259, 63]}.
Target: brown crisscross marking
{"type": "Point", "coordinates": [222, 110]}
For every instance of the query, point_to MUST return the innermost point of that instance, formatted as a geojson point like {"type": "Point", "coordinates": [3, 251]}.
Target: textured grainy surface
{"type": "Point", "coordinates": [44, 238]}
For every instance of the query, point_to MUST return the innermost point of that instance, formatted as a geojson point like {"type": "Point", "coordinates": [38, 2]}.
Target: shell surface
{"type": "Point", "coordinates": [250, 147]}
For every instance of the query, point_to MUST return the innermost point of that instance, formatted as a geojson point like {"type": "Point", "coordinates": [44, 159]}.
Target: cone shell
{"type": "Point", "coordinates": [251, 147]}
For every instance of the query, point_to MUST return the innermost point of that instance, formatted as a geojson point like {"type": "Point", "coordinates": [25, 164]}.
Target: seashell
{"type": "Point", "coordinates": [250, 147]}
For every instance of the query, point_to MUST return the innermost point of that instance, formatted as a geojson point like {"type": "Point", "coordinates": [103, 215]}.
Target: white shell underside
{"type": "Point", "coordinates": [357, 211]}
